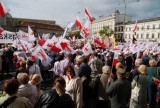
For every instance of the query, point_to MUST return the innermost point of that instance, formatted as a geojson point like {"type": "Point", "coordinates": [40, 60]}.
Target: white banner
{"type": "Point", "coordinates": [7, 37]}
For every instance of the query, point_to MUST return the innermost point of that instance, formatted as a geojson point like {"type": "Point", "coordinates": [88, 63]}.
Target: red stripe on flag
{"type": "Point", "coordinates": [2, 13]}
{"type": "Point", "coordinates": [89, 16]}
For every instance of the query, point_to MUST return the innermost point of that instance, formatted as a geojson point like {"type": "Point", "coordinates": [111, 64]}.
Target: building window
{"type": "Point", "coordinates": [147, 36]}
{"type": "Point", "coordinates": [129, 28]}
{"type": "Point", "coordinates": [152, 35]}
{"type": "Point", "coordinates": [148, 27]}
{"type": "Point", "coordinates": [153, 26]}
{"type": "Point", "coordinates": [158, 35]}
{"type": "Point", "coordinates": [126, 36]}
{"type": "Point", "coordinates": [142, 28]}
{"type": "Point", "coordinates": [129, 36]}
{"type": "Point", "coordinates": [159, 26]}
{"type": "Point", "coordinates": [141, 36]}
{"type": "Point", "coordinates": [137, 36]}
{"type": "Point", "coordinates": [116, 29]}
{"type": "Point", "coordinates": [137, 28]}
{"type": "Point", "coordinates": [126, 28]}
{"type": "Point", "coordinates": [122, 28]}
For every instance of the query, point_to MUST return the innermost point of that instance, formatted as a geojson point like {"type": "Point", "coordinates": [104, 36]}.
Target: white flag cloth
{"type": "Point", "coordinates": [40, 53]}
{"type": "Point", "coordinates": [87, 49]}
{"type": "Point", "coordinates": [21, 44]}
{"type": "Point", "coordinates": [31, 35]}
{"type": "Point", "coordinates": [46, 36]}
{"type": "Point", "coordinates": [67, 28]}
{"type": "Point", "coordinates": [86, 30]}
{"type": "Point", "coordinates": [22, 35]}
{"type": "Point", "coordinates": [64, 45]}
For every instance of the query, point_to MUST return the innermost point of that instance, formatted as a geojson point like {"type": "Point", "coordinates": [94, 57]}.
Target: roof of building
{"type": "Point", "coordinates": [145, 20]}
{"type": "Point", "coordinates": [41, 25]}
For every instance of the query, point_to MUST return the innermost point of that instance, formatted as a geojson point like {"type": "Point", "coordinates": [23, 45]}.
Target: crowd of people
{"type": "Point", "coordinates": [73, 78]}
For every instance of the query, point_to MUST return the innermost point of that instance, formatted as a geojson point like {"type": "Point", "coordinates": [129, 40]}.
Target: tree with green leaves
{"type": "Point", "coordinates": [106, 31]}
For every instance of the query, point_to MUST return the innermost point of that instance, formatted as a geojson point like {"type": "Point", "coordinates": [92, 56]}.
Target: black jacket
{"type": "Point", "coordinates": [51, 99]}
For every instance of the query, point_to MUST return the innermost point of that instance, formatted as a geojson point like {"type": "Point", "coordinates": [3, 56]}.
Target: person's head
{"type": "Point", "coordinates": [95, 54]}
{"type": "Point", "coordinates": [152, 62]}
{"type": "Point", "coordinates": [121, 73]}
{"type": "Point", "coordinates": [28, 54]}
{"type": "Point", "coordinates": [23, 78]}
{"type": "Point", "coordinates": [142, 69]}
{"type": "Point", "coordinates": [60, 84]}
{"type": "Point", "coordinates": [30, 63]}
{"type": "Point", "coordinates": [11, 86]}
{"type": "Point", "coordinates": [70, 57]}
{"type": "Point", "coordinates": [106, 69]}
{"type": "Point", "coordinates": [23, 64]}
{"type": "Point", "coordinates": [35, 79]}
{"type": "Point", "coordinates": [120, 54]}
{"type": "Point", "coordinates": [145, 54]}
{"type": "Point", "coordinates": [138, 62]}
{"type": "Point", "coordinates": [85, 60]}
{"type": "Point", "coordinates": [79, 59]}
{"type": "Point", "coordinates": [69, 70]}
{"type": "Point", "coordinates": [119, 65]}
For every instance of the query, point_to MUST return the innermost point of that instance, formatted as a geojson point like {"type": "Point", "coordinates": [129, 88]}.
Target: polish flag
{"type": "Point", "coordinates": [40, 53]}
{"type": "Point", "coordinates": [88, 15]}
{"type": "Point", "coordinates": [31, 34]}
{"type": "Point", "coordinates": [3, 9]}
{"type": "Point", "coordinates": [78, 23]}
{"type": "Point", "coordinates": [87, 49]}
{"type": "Point", "coordinates": [23, 35]}
{"type": "Point", "coordinates": [24, 45]}
{"type": "Point", "coordinates": [86, 30]}
{"type": "Point", "coordinates": [135, 27]}
{"type": "Point", "coordinates": [115, 57]}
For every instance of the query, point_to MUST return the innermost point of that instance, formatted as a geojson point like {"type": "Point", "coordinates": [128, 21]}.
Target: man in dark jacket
{"type": "Point", "coordinates": [120, 90]}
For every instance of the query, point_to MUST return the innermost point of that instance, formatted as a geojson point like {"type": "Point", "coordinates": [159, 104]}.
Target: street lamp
{"type": "Point", "coordinates": [125, 7]}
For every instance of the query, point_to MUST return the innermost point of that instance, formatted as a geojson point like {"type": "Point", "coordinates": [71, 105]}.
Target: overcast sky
{"type": "Point", "coordinates": [65, 11]}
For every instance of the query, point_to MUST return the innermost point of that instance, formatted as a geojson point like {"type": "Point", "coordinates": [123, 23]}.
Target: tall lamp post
{"type": "Point", "coordinates": [125, 9]}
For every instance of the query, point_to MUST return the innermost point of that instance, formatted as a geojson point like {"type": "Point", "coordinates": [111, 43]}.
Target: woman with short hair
{"type": "Point", "coordinates": [142, 81]}
{"type": "Point", "coordinates": [25, 89]}
{"type": "Point", "coordinates": [10, 87]}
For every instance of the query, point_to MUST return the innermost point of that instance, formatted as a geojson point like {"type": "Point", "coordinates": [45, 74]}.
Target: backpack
{"type": "Point", "coordinates": [93, 86]}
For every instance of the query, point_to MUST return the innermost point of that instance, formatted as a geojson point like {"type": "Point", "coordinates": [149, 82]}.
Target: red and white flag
{"type": "Point", "coordinates": [86, 30]}
{"type": "Point", "coordinates": [135, 27]}
{"type": "Point", "coordinates": [31, 34]}
{"type": "Point", "coordinates": [23, 35]}
{"type": "Point", "coordinates": [87, 49]}
{"type": "Point", "coordinates": [46, 36]}
{"type": "Point", "coordinates": [78, 23]}
{"type": "Point", "coordinates": [88, 15]}
{"type": "Point", "coordinates": [67, 28]}
{"type": "Point", "coordinates": [21, 44]}
{"type": "Point", "coordinates": [40, 41]}
{"type": "Point", "coordinates": [3, 9]}
{"type": "Point", "coordinates": [66, 47]}
{"type": "Point", "coordinates": [40, 53]}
